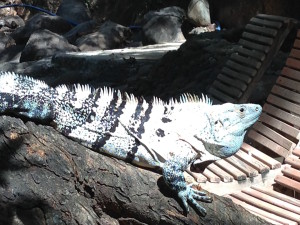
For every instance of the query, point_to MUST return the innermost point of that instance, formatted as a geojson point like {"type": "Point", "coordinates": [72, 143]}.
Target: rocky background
{"type": "Point", "coordinates": [46, 178]}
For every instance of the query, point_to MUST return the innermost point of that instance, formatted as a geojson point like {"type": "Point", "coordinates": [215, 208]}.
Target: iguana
{"type": "Point", "coordinates": [156, 134]}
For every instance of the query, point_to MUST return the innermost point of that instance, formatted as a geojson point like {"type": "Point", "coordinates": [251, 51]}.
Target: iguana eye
{"type": "Point", "coordinates": [242, 110]}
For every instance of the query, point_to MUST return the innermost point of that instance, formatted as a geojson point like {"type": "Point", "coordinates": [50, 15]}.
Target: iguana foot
{"type": "Point", "coordinates": [191, 195]}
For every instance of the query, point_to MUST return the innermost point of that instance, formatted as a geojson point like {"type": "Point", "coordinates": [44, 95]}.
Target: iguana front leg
{"type": "Point", "coordinates": [173, 175]}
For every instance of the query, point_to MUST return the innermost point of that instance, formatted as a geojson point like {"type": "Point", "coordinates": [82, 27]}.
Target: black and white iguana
{"type": "Point", "coordinates": [154, 134]}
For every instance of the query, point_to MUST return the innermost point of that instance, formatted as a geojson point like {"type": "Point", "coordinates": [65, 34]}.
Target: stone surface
{"type": "Point", "coordinates": [44, 43]}
{"type": "Point", "coordinates": [163, 26]}
{"type": "Point", "coordinates": [109, 36]}
{"type": "Point", "coordinates": [5, 41]}
{"type": "Point", "coordinates": [198, 12]}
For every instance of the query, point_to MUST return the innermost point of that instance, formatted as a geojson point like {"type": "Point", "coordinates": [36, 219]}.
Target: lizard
{"type": "Point", "coordinates": [167, 136]}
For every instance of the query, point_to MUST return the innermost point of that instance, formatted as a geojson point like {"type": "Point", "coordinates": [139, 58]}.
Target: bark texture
{"type": "Point", "coordinates": [46, 178]}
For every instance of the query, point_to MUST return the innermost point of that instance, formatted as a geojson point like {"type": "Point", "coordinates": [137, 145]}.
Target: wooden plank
{"type": "Point", "coordinates": [279, 125]}
{"type": "Point", "coordinates": [293, 161]}
{"type": "Point", "coordinates": [282, 115]}
{"type": "Point", "coordinates": [213, 178]}
{"type": "Point", "coordinates": [241, 68]}
{"type": "Point", "coordinates": [295, 53]}
{"type": "Point", "coordinates": [231, 91]}
{"type": "Point", "coordinates": [274, 136]}
{"type": "Point", "coordinates": [253, 162]}
{"type": "Point", "coordinates": [275, 18]}
{"type": "Point", "coordinates": [287, 94]}
{"type": "Point", "coordinates": [229, 168]}
{"type": "Point", "coordinates": [257, 38]}
{"type": "Point", "coordinates": [272, 163]}
{"type": "Point", "coordinates": [291, 73]}
{"type": "Point", "coordinates": [291, 84]}
{"type": "Point", "coordinates": [233, 82]}
{"type": "Point", "coordinates": [220, 95]}
{"type": "Point", "coordinates": [245, 60]}
{"type": "Point", "coordinates": [234, 74]}
{"type": "Point", "coordinates": [272, 217]}
{"type": "Point", "coordinates": [297, 43]}
{"type": "Point", "coordinates": [260, 56]}
{"type": "Point", "coordinates": [242, 166]}
{"type": "Point", "coordinates": [293, 63]}
{"type": "Point", "coordinates": [292, 173]}
{"type": "Point", "coordinates": [284, 104]}
{"type": "Point", "coordinates": [278, 195]}
{"type": "Point", "coordinates": [296, 151]}
{"type": "Point", "coordinates": [267, 206]}
{"type": "Point", "coordinates": [266, 23]}
{"type": "Point", "coordinates": [225, 177]}
{"type": "Point", "coordinates": [288, 183]}
{"type": "Point", "coordinates": [200, 178]}
{"type": "Point", "coordinates": [254, 46]}
{"type": "Point", "coordinates": [269, 144]}
{"type": "Point", "coordinates": [270, 32]}
{"type": "Point", "coordinates": [272, 200]}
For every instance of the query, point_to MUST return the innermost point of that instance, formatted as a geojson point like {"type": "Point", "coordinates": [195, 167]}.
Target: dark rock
{"type": "Point", "coordinates": [40, 21]}
{"type": "Point", "coordinates": [163, 26]}
{"type": "Point", "coordinates": [74, 11]}
{"type": "Point", "coordinates": [44, 43]}
{"type": "Point", "coordinates": [12, 22]}
{"type": "Point", "coordinates": [80, 30]}
{"type": "Point", "coordinates": [109, 36]}
{"type": "Point", "coordinates": [198, 12]}
{"type": "Point", "coordinates": [6, 41]}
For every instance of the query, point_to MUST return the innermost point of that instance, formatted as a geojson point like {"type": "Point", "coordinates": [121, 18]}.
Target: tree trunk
{"type": "Point", "coordinates": [46, 178]}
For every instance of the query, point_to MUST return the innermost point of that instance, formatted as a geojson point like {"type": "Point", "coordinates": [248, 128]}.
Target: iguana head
{"type": "Point", "coordinates": [228, 126]}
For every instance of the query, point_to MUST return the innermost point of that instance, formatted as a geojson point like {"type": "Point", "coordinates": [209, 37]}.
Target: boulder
{"type": "Point", "coordinates": [5, 41]}
{"type": "Point", "coordinates": [163, 26]}
{"type": "Point", "coordinates": [44, 43]}
{"type": "Point", "coordinates": [109, 36]}
{"type": "Point", "coordinates": [198, 12]}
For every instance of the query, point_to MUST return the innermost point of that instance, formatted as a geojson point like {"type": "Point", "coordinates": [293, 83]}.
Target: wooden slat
{"type": "Point", "coordinates": [236, 173]}
{"type": "Point", "coordinates": [272, 200]}
{"type": "Point", "coordinates": [266, 23]}
{"type": "Point", "coordinates": [288, 183]}
{"type": "Point", "coordinates": [284, 104]}
{"type": "Point", "coordinates": [287, 94]}
{"type": "Point", "coordinates": [200, 178]}
{"type": "Point", "coordinates": [240, 68]}
{"type": "Point", "coordinates": [292, 173]}
{"type": "Point", "coordinates": [250, 160]}
{"type": "Point", "coordinates": [231, 91]}
{"type": "Point", "coordinates": [295, 53]}
{"type": "Point", "coordinates": [293, 161]}
{"type": "Point", "coordinates": [279, 125]}
{"type": "Point", "coordinates": [291, 84]}
{"type": "Point", "coordinates": [278, 195]}
{"type": "Point", "coordinates": [293, 63]}
{"type": "Point", "coordinates": [220, 95]}
{"type": "Point", "coordinates": [248, 170]}
{"type": "Point", "coordinates": [213, 178]}
{"type": "Point", "coordinates": [239, 76]}
{"type": "Point", "coordinates": [233, 82]}
{"type": "Point", "coordinates": [225, 177]}
{"type": "Point", "coordinates": [296, 151]}
{"type": "Point", "coordinates": [274, 136]}
{"type": "Point", "coordinates": [252, 53]}
{"type": "Point", "coordinates": [245, 60]}
{"type": "Point", "coordinates": [274, 218]}
{"type": "Point", "coordinates": [257, 38]}
{"type": "Point", "coordinates": [269, 144]}
{"type": "Point", "coordinates": [267, 206]}
{"type": "Point", "coordinates": [275, 18]}
{"type": "Point", "coordinates": [282, 115]}
{"type": "Point", "coordinates": [272, 163]}
{"type": "Point", "coordinates": [297, 43]}
{"type": "Point", "coordinates": [291, 73]}
{"type": "Point", "coordinates": [253, 46]}
{"type": "Point", "coordinates": [261, 30]}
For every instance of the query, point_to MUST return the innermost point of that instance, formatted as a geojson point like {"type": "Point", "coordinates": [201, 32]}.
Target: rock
{"type": "Point", "coordinates": [6, 41]}
{"type": "Point", "coordinates": [44, 43]}
{"type": "Point", "coordinates": [40, 21]}
{"type": "Point", "coordinates": [109, 36]}
{"type": "Point", "coordinates": [198, 12]}
{"type": "Point", "coordinates": [163, 26]}
{"type": "Point", "coordinates": [80, 30]}
{"type": "Point", "coordinates": [74, 10]}
{"type": "Point", "coordinates": [12, 22]}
